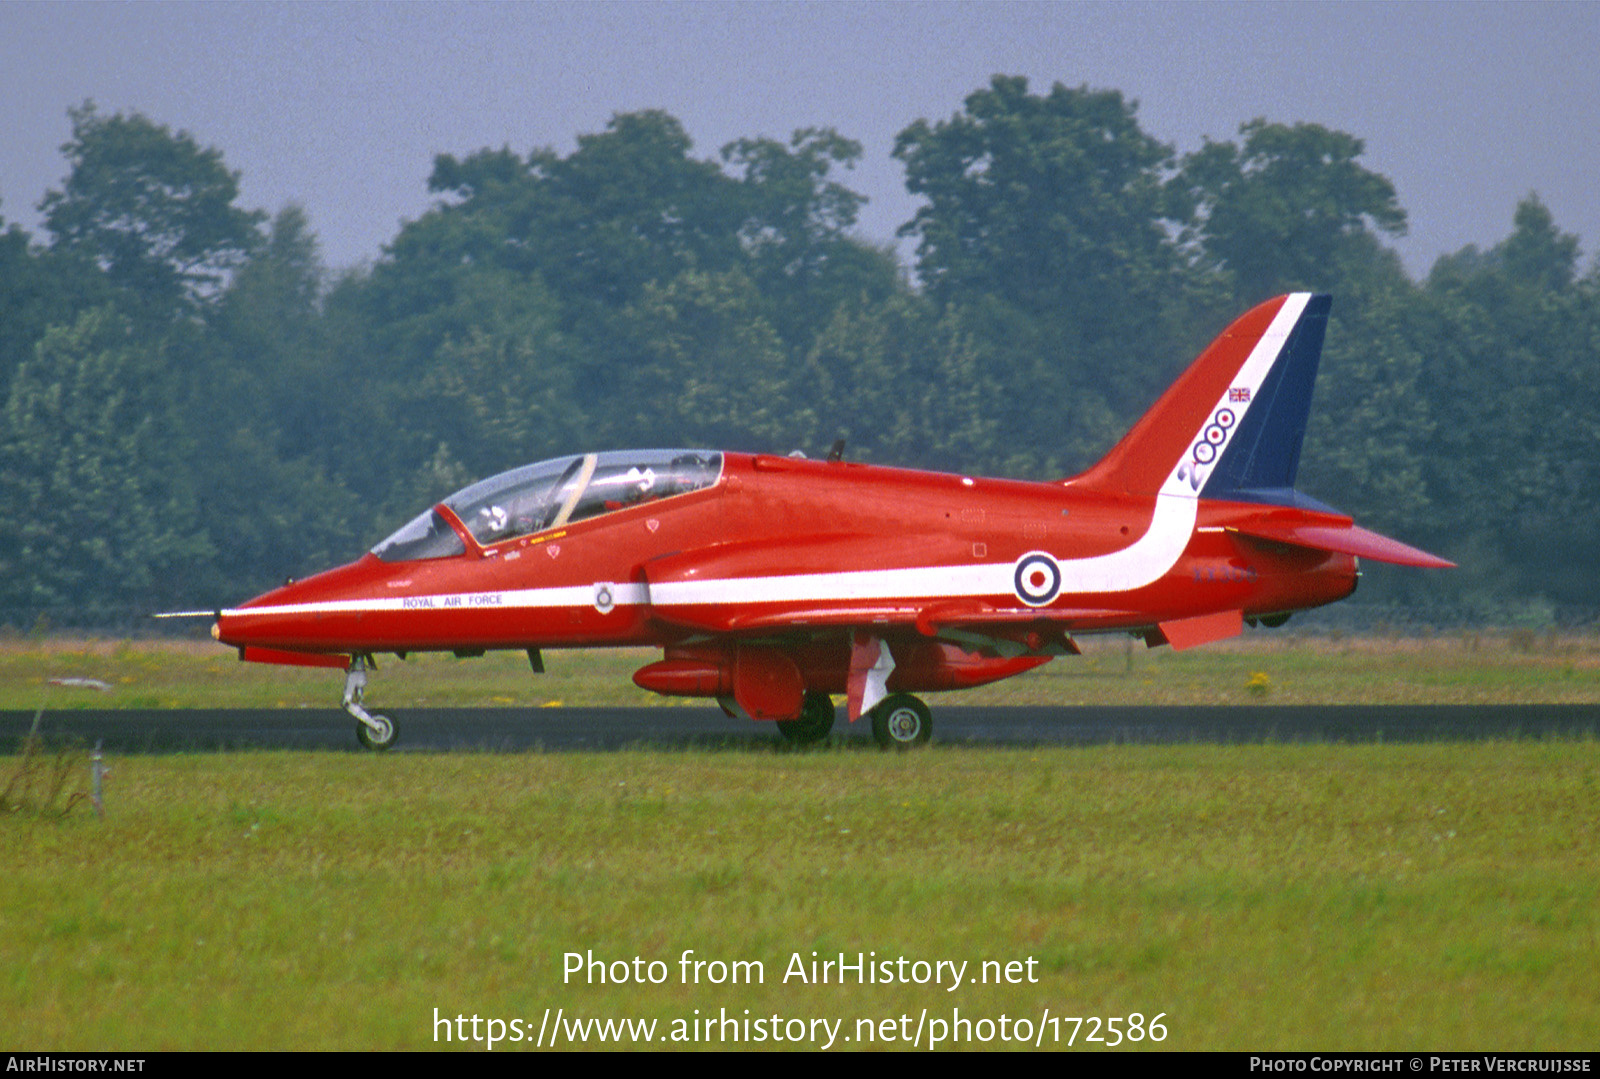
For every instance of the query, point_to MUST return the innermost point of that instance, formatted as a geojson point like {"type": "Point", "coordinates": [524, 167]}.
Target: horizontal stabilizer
{"type": "Point", "coordinates": [1347, 539]}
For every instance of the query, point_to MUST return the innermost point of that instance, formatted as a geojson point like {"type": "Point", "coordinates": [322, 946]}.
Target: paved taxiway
{"type": "Point", "coordinates": [520, 729]}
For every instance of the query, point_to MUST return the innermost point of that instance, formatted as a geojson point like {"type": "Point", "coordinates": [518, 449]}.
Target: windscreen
{"type": "Point", "coordinates": [551, 494]}
{"type": "Point", "coordinates": [424, 536]}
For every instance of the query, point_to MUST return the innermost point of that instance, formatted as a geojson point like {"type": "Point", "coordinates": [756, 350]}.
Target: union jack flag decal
{"type": "Point", "coordinates": [1239, 394]}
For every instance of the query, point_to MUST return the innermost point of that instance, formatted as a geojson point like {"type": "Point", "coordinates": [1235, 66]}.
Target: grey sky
{"type": "Point", "coordinates": [341, 107]}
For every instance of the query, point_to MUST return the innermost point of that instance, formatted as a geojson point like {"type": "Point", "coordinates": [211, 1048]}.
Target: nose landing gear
{"type": "Point", "coordinates": [374, 732]}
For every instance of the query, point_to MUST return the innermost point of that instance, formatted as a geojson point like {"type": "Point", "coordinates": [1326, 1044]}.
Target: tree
{"type": "Point", "coordinates": [501, 393]}
{"type": "Point", "coordinates": [272, 506]}
{"type": "Point", "coordinates": [793, 211]}
{"type": "Point", "coordinates": [38, 289]}
{"type": "Point", "coordinates": [1290, 209]}
{"type": "Point", "coordinates": [629, 207]}
{"type": "Point", "coordinates": [628, 262]}
{"type": "Point", "coordinates": [903, 384]}
{"type": "Point", "coordinates": [1042, 200]}
{"type": "Point", "coordinates": [99, 506]}
{"type": "Point", "coordinates": [265, 329]}
{"type": "Point", "coordinates": [700, 364]}
{"type": "Point", "coordinates": [795, 231]}
{"type": "Point", "coordinates": [1512, 343]}
{"type": "Point", "coordinates": [636, 209]}
{"type": "Point", "coordinates": [152, 210]}
{"type": "Point", "coordinates": [1371, 429]}
{"type": "Point", "coordinates": [1537, 254]}
{"type": "Point", "coordinates": [1047, 226]}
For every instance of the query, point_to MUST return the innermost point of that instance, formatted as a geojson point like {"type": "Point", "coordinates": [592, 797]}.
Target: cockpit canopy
{"type": "Point", "coordinates": [551, 494]}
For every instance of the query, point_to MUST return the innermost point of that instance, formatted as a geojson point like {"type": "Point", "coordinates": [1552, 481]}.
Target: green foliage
{"type": "Point", "coordinates": [1040, 199]}
{"type": "Point", "coordinates": [1047, 232]}
{"type": "Point", "coordinates": [195, 408]}
{"type": "Point", "coordinates": [1537, 255]}
{"type": "Point", "coordinates": [796, 231]}
{"type": "Point", "coordinates": [701, 365]}
{"type": "Point", "coordinates": [1371, 430]}
{"type": "Point", "coordinates": [96, 509]}
{"type": "Point", "coordinates": [151, 210]}
{"type": "Point", "coordinates": [38, 289]}
{"type": "Point", "coordinates": [629, 207]}
{"type": "Point", "coordinates": [1289, 209]}
{"type": "Point", "coordinates": [1512, 342]}
{"type": "Point", "coordinates": [902, 383]}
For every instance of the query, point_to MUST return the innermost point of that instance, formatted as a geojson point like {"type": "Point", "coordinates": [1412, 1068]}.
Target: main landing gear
{"type": "Point", "coordinates": [901, 721]}
{"type": "Point", "coordinates": [814, 722]}
{"type": "Point", "coordinates": [375, 732]}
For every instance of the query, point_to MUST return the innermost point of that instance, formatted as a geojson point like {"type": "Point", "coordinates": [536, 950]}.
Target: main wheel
{"type": "Point", "coordinates": [814, 722]}
{"type": "Point", "coordinates": [380, 739]}
{"type": "Point", "coordinates": [901, 721]}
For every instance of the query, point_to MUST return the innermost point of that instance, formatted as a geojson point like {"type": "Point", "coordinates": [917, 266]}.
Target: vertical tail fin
{"type": "Point", "coordinates": [1233, 423]}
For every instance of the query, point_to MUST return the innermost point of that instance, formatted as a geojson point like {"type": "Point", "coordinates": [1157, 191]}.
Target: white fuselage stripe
{"type": "Point", "coordinates": [622, 595]}
{"type": "Point", "coordinates": [1140, 563]}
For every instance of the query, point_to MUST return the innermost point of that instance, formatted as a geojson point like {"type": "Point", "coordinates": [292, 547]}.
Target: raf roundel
{"type": "Point", "coordinates": [1038, 578]}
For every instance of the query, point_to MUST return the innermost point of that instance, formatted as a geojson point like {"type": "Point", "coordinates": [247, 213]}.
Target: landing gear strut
{"type": "Point", "coordinates": [813, 723]}
{"type": "Point", "coordinates": [901, 721]}
{"type": "Point", "coordinates": [375, 732]}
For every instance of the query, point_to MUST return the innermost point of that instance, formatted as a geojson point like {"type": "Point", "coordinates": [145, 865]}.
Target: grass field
{"type": "Point", "coordinates": [1278, 668]}
{"type": "Point", "coordinates": [1260, 897]}
{"type": "Point", "coordinates": [1254, 897]}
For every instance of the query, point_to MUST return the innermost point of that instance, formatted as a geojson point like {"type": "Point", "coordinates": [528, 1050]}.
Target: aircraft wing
{"type": "Point", "coordinates": [731, 590]}
{"type": "Point", "coordinates": [928, 619]}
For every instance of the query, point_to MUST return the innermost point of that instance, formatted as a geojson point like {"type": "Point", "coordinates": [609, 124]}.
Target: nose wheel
{"type": "Point", "coordinates": [374, 732]}
{"type": "Point", "coordinates": [377, 732]}
{"type": "Point", "coordinates": [901, 721]}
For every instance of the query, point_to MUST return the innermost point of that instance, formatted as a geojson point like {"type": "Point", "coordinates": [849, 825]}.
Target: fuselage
{"type": "Point", "coordinates": [799, 546]}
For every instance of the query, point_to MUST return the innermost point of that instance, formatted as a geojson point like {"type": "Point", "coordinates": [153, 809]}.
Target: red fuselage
{"type": "Point", "coordinates": [826, 530]}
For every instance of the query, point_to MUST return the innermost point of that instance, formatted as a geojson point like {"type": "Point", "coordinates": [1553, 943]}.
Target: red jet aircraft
{"type": "Point", "coordinates": [774, 582]}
